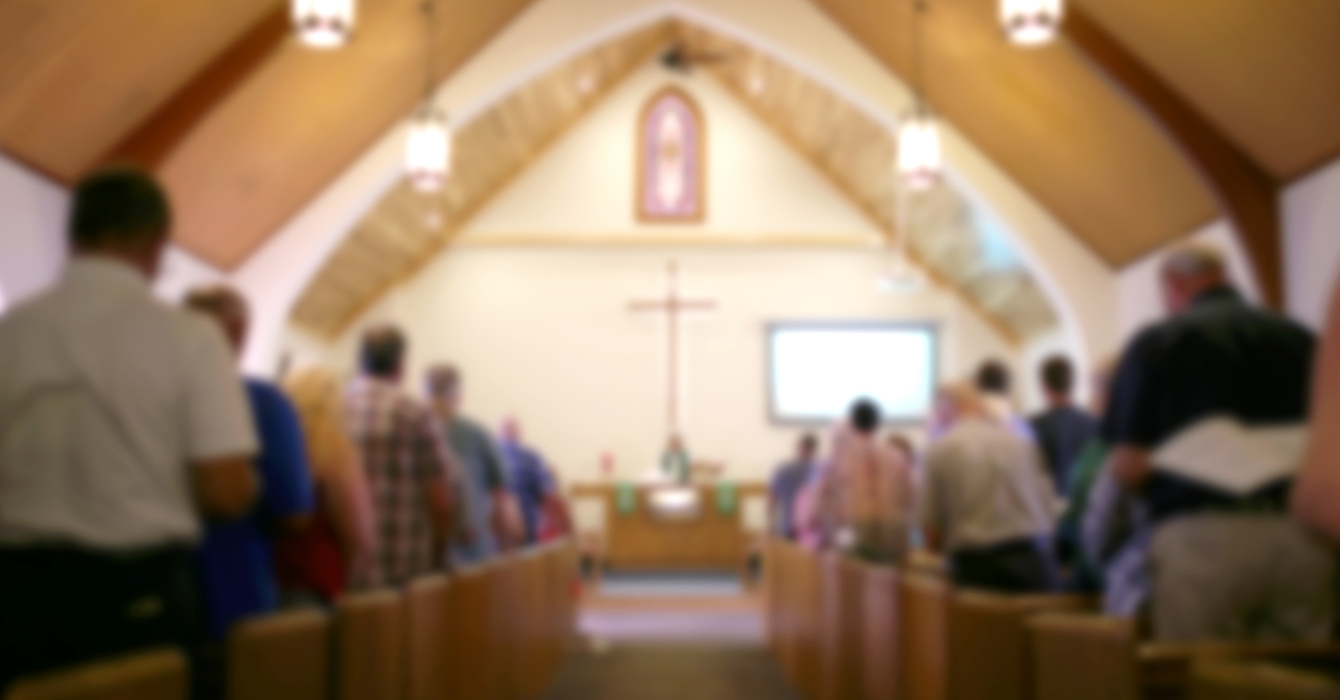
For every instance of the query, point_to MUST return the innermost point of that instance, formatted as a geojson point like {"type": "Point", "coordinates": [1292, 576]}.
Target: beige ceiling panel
{"type": "Point", "coordinates": [1047, 118]}
{"type": "Point", "coordinates": [305, 115]}
{"type": "Point", "coordinates": [77, 76]}
{"type": "Point", "coordinates": [1267, 72]}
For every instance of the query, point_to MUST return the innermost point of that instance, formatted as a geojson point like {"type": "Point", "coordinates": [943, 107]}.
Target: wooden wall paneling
{"type": "Point", "coordinates": [1264, 73]}
{"type": "Point", "coordinates": [484, 168]}
{"type": "Point", "coordinates": [77, 77]}
{"type": "Point", "coordinates": [159, 134]}
{"type": "Point", "coordinates": [1047, 119]}
{"type": "Point", "coordinates": [305, 115]}
{"type": "Point", "coordinates": [1247, 194]}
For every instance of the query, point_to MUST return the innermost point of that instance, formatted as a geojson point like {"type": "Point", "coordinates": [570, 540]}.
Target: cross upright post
{"type": "Point", "coordinates": [672, 305]}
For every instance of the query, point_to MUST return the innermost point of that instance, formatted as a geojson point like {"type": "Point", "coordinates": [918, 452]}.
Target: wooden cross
{"type": "Point", "coordinates": [672, 305]}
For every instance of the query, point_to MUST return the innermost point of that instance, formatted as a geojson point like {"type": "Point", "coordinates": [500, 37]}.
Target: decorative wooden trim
{"type": "Point", "coordinates": [702, 153]}
{"type": "Point", "coordinates": [1247, 194]}
{"type": "Point", "coordinates": [161, 132]}
{"type": "Point", "coordinates": [1011, 337]}
{"type": "Point", "coordinates": [462, 218]}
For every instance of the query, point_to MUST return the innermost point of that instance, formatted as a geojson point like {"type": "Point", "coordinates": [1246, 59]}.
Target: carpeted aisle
{"type": "Point", "coordinates": [650, 671]}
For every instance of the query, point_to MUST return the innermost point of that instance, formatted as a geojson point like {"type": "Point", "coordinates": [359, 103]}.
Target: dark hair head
{"type": "Point", "coordinates": [809, 442]}
{"type": "Point", "coordinates": [120, 206]}
{"type": "Point", "coordinates": [1058, 375]}
{"type": "Point", "coordinates": [993, 377]}
{"type": "Point", "coordinates": [865, 417]}
{"type": "Point", "coordinates": [220, 301]}
{"type": "Point", "coordinates": [383, 351]}
{"type": "Point", "coordinates": [443, 381]}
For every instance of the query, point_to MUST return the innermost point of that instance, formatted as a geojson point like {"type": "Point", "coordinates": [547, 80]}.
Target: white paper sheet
{"type": "Point", "coordinates": [1224, 453]}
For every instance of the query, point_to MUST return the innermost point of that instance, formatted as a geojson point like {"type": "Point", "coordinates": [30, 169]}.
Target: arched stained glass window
{"type": "Point", "coordinates": [671, 159]}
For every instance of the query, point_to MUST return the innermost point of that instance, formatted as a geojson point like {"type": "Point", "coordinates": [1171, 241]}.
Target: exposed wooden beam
{"type": "Point", "coordinates": [1247, 194]}
{"type": "Point", "coordinates": [156, 137]}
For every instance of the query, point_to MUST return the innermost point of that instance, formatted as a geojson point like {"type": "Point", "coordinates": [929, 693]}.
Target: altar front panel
{"type": "Point", "coordinates": [639, 538]}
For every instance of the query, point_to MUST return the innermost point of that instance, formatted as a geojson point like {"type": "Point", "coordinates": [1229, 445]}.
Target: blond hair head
{"type": "Point", "coordinates": [317, 396]}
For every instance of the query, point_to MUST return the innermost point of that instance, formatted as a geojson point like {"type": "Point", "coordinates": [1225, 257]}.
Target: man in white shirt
{"type": "Point", "coordinates": [988, 502]}
{"type": "Point", "coordinates": [122, 423]}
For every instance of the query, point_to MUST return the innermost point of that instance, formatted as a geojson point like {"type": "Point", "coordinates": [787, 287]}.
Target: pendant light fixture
{"type": "Point", "coordinates": [919, 158]}
{"type": "Point", "coordinates": [900, 275]}
{"type": "Point", "coordinates": [1031, 22]}
{"type": "Point", "coordinates": [323, 24]}
{"type": "Point", "coordinates": [428, 146]}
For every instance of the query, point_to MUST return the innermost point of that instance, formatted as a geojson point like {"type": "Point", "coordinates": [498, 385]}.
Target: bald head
{"type": "Point", "coordinates": [955, 401]}
{"type": "Point", "coordinates": [226, 306]}
{"type": "Point", "coordinates": [1189, 271]}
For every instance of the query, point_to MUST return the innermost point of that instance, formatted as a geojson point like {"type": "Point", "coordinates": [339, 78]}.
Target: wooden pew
{"type": "Point", "coordinates": [370, 640]}
{"type": "Point", "coordinates": [881, 651]}
{"type": "Point", "coordinates": [1229, 680]}
{"type": "Point", "coordinates": [924, 641]}
{"type": "Point", "coordinates": [808, 617]}
{"type": "Point", "coordinates": [428, 625]}
{"type": "Point", "coordinates": [280, 657]}
{"type": "Point", "coordinates": [1102, 658]}
{"type": "Point", "coordinates": [990, 653]}
{"type": "Point", "coordinates": [472, 648]}
{"type": "Point", "coordinates": [842, 595]}
{"type": "Point", "coordinates": [153, 675]}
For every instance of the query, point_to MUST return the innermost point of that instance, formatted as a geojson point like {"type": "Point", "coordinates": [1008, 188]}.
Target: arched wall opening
{"type": "Point", "coordinates": [1080, 286]}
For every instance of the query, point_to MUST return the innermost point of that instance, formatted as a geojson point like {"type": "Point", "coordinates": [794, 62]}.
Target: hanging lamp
{"type": "Point", "coordinates": [919, 156]}
{"type": "Point", "coordinates": [1031, 22]}
{"type": "Point", "coordinates": [323, 24]}
{"type": "Point", "coordinates": [428, 146]}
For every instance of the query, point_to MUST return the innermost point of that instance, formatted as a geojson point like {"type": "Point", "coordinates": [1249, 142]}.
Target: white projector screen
{"type": "Point", "coordinates": [818, 370]}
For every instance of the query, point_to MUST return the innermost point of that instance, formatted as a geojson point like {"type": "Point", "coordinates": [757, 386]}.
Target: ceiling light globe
{"type": "Point", "coordinates": [1031, 22]}
{"type": "Point", "coordinates": [323, 24]}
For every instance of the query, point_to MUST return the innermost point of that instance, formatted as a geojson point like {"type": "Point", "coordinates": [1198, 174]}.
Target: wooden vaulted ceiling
{"type": "Point", "coordinates": [844, 144]}
{"type": "Point", "coordinates": [79, 77]}
{"type": "Point", "coordinates": [406, 228]}
{"type": "Point", "coordinates": [245, 126]}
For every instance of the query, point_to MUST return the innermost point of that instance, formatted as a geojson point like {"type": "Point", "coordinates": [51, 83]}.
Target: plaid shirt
{"type": "Point", "coordinates": [402, 446]}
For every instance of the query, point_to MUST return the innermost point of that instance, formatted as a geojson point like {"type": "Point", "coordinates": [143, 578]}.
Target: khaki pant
{"type": "Point", "coordinates": [1240, 578]}
{"type": "Point", "coordinates": [879, 542]}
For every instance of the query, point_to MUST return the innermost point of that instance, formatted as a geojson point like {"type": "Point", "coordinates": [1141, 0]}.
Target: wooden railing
{"type": "Point", "coordinates": [498, 632]}
{"type": "Point", "coordinates": [850, 631]}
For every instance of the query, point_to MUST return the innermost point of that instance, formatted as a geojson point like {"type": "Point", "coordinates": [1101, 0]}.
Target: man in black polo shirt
{"type": "Point", "coordinates": [1224, 566]}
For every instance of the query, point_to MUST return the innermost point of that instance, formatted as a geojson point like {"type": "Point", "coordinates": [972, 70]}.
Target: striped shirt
{"type": "Point", "coordinates": [402, 447]}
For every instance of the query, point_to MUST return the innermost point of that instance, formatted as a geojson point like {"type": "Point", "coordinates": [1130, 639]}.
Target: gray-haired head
{"type": "Point", "coordinates": [1190, 270]}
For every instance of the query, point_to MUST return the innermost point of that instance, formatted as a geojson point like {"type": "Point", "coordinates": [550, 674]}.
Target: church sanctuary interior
{"type": "Point", "coordinates": [639, 349]}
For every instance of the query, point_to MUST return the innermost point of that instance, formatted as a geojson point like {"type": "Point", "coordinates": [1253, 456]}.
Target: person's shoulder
{"type": "Point", "coordinates": [264, 393]}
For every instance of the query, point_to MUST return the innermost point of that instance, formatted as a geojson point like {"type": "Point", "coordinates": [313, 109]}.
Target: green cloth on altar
{"type": "Point", "coordinates": [625, 497]}
{"type": "Point", "coordinates": [728, 498]}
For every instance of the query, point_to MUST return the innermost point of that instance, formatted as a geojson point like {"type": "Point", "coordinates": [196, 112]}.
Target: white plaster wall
{"type": "Point", "coordinates": [585, 186]}
{"type": "Point", "coordinates": [1312, 244]}
{"type": "Point", "coordinates": [551, 30]}
{"type": "Point", "coordinates": [1139, 302]}
{"type": "Point", "coordinates": [32, 231]}
{"type": "Point", "coordinates": [546, 333]}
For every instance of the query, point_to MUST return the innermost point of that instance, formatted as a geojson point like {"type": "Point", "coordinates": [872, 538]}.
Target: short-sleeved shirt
{"type": "Point", "coordinates": [787, 480]}
{"type": "Point", "coordinates": [107, 395]}
{"type": "Point", "coordinates": [529, 481]}
{"type": "Point", "coordinates": [986, 486]}
{"type": "Point", "coordinates": [236, 559]}
{"type": "Point", "coordinates": [1062, 433]}
{"type": "Point", "coordinates": [1221, 357]}
{"type": "Point", "coordinates": [401, 444]}
{"type": "Point", "coordinates": [484, 473]}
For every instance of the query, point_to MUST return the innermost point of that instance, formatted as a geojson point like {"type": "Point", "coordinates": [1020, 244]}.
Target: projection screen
{"type": "Point", "coordinates": [817, 370]}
